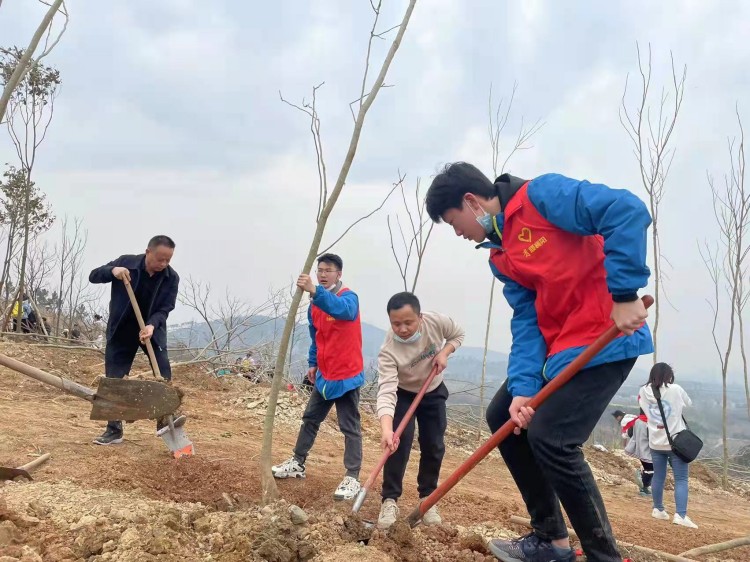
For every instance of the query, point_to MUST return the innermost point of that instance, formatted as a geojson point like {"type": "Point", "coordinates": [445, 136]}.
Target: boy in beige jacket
{"type": "Point", "coordinates": [415, 343]}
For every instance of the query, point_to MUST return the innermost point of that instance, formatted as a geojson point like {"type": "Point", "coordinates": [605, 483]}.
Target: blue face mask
{"type": "Point", "coordinates": [486, 222]}
{"type": "Point", "coordinates": [411, 339]}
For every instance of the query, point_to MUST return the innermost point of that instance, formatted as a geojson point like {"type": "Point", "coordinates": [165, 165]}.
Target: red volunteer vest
{"type": "Point", "coordinates": [339, 344]}
{"type": "Point", "coordinates": [566, 270]}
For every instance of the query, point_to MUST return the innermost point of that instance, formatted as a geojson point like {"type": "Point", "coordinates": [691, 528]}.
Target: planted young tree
{"type": "Point", "coordinates": [650, 127]}
{"type": "Point", "coordinates": [327, 204]}
{"type": "Point", "coordinates": [727, 265]}
{"type": "Point", "coordinates": [12, 207]}
{"type": "Point", "coordinates": [30, 110]}
{"type": "Point", "coordinates": [24, 212]}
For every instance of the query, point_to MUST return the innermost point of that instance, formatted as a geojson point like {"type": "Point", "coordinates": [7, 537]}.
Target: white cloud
{"type": "Point", "coordinates": [169, 120]}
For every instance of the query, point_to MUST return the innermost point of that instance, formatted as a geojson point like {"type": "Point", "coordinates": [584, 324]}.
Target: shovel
{"type": "Point", "coordinates": [507, 428]}
{"type": "Point", "coordinates": [362, 494]}
{"type": "Point", "coordinates": [8, 473]}
{"type": "Point", "coordinates": [129, 400]}
{"type": "Point", "coordinates": [172, 434]}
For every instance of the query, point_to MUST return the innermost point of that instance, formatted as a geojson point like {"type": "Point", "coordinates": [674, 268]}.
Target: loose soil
{"type": "Point", "coordinates": [133, 502]}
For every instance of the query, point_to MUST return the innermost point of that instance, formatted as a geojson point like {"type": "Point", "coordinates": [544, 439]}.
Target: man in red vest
{"type": "Point", "coordinates": [336, 371]}
{"type": "Point", "coordinates": [572, 257]}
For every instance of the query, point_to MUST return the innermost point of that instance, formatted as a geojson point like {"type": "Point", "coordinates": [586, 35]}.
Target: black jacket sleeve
{"type": "Point", "coordinates": [103, 274]}
{"type": "Point", "coordinates": [165, 305]}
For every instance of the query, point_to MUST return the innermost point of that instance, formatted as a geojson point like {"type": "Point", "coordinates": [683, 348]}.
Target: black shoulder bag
{"type": "Point", "coordinates": [685, 444]}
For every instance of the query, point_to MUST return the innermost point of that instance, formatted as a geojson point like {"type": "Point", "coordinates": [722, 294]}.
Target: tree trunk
{"type": "Point", "coordinates": [268, 485]}
{"type": "Point", "coordinates": [23, 64]}
{"type": "Point", "coordinates": [24, 255]}
{"type": "Point", "coordinates": [657, 276]}
{"type": "Point", "coordinates": [484, 363]}
{"type": "Point", "coordinates": [291, 349]}
{"type": "Point", "coordinates": [725, 463]}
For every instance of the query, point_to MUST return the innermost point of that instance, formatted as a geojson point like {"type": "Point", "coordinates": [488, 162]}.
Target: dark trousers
{"type": "Point", "coordinates": [547, 463]}
{"type": "Point", "coordinates": [647, 474]}
{"type": "Point", "coordinates": [347, 411]}
{"type": "Point", "coordinates": [118, 359]}
{"type": "Point", "coordinates": [432, 419]}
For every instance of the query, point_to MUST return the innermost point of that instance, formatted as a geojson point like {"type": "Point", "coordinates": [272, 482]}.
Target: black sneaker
{"type": "Point", "coordinates": [109, 437]}
{"type": "Point", "coordinates": [529, 548]}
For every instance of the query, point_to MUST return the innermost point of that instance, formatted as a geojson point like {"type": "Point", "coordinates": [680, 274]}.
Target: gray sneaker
{"type": "Point", "coordinates": [288, 469]}
{"type": "Point", "coordinates": [431, 516]}
{"type": "Point", "coordinates": [388, 514]}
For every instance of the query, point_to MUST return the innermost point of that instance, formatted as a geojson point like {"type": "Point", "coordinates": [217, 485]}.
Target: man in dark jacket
{"type": "Point", "coordinates": [155, 285]}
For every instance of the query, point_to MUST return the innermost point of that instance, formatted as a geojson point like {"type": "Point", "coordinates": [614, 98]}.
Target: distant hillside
{"type": "Point", "coordinates": [465, 365]}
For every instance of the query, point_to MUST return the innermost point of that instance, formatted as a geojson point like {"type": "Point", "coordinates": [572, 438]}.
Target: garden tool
{"type": "Point", "coordinates": [126, 399]}
{"type": "Point", "coordinates": [172, 433]}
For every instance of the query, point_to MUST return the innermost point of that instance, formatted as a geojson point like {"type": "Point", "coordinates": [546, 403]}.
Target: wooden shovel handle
{"type": "Point", "coordinates": [142, 325]}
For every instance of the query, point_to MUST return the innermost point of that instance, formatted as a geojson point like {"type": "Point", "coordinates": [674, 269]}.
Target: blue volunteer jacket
{"type": "Point", "coordinates": [582, 208]}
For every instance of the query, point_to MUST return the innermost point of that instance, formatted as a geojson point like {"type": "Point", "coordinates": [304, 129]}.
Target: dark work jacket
{"type": "Point", "coordinates": [162, 303]}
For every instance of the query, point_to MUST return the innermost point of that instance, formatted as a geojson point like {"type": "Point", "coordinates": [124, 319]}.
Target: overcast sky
{"type": "Point", "coordinates": [169, 121]}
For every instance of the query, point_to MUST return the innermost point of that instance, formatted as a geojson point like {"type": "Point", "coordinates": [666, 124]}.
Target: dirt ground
{"type": "Point", "coordinates": [132, 502]}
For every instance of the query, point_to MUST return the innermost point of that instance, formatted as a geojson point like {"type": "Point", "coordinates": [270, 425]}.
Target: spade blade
{"type": "Point", "coordinates": [123, 399]}
{"type": "Point", "coordinates": [7, 473]}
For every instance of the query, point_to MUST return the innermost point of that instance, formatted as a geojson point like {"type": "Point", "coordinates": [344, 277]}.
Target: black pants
{"type": "Point", "coordinates": [347, 411]}
{"type": "Point", "coordinates": [647, 474]}
{"type": "Point", "coordinates": [431, 417]}
{"type": "Point", "coordinates": [118, 359]}
{"type": "Point", "coordinates": [547, 463]}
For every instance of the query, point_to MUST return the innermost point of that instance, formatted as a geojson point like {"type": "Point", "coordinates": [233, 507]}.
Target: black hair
{"type": "Point", "coordinates": [400, 300]}
{"type": "Point", "coordinates": [451, 184]}
{"type": "Point", "coordinates": [333, 259]}
{"type": "Point", "coordinates": [661, 375]}
{"type": "Point", "coordinates": [161, 240]}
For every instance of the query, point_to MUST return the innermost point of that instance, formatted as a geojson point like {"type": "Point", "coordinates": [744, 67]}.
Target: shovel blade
{"type": "Point", "coordinates": [7, 473]}
{"type": "Point", "coordinates": [123, 399]}
{"type": "Point", "coordinates": [176, 439]}
{"type": "Point", "coordinates": [359, 499]}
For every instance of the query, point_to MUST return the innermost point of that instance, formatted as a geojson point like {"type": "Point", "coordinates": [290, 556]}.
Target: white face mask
{"type": "Point", "coordinates": [411, 339]}
{"type": "Point", "coordinates": [485, 220]}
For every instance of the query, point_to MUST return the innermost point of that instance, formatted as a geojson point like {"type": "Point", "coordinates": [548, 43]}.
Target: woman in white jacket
{"type": "Point", "coordinates": [673, 399]}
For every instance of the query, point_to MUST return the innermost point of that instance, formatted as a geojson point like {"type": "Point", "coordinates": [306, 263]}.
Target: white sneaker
{"type": "Point", "coordinates": [388, 514]}
{"type": "Point", "coordinates": [660, 514]}
{"type": "Point", "coordinates": [431, 516]}
{"type": "Point", "coordinates": [348, 488]}
{"type": "Point", "coordinates": [288, 469]}
{"type": "Point", "coordinates": [684, 521]}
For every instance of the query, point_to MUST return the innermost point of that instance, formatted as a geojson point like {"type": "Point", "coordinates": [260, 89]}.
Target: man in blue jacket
{"type": "Point", "coordinates": [572, 257]}
{"type": "Point", "coordinates": [336, 369]}
{"type": "Point", "coordinates": [155, 285]}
